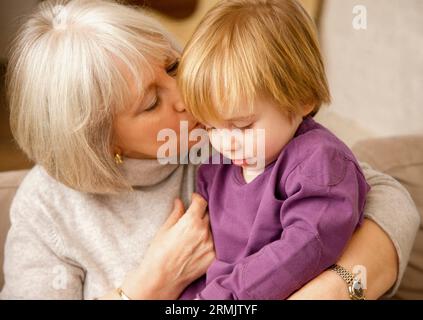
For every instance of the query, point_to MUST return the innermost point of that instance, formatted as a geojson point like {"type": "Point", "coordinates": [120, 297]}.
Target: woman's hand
{"type": "Point", "coordinates": [180, 253]}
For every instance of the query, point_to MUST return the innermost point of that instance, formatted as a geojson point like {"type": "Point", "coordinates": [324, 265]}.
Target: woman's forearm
{"type": "Point", "coordinates": [370, 247]}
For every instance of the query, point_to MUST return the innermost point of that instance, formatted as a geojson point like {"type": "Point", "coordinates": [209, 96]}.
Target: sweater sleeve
{"type": "Point", "coordinates": [391, 207]}
{"type": "Point", "coordinates": [323, 207]}
{"type": "Point", "coordinates": [35, 266]}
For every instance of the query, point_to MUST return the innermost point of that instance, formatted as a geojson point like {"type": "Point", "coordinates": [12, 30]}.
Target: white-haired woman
{"type": "Point", "coordinates": [90, 86]}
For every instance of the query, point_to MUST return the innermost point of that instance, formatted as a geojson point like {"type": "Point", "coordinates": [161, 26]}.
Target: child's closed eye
{"type": "Point", "coordinates": [244, 126]}
{"type": "Point", "coordinates": [244, 122]}
{"type": "Point", "coordinates": [248, 126]}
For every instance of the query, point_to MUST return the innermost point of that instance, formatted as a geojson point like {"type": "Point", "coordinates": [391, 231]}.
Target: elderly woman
{"type": "Point", "coordinates": [91, 84]}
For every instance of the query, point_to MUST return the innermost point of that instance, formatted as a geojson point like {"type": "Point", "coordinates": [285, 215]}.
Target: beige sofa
{"type": "Point", "coordinates": [401, 157]}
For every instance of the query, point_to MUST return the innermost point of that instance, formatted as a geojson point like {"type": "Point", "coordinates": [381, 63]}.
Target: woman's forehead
{"type": "Point", "coordinates": [139, 79]}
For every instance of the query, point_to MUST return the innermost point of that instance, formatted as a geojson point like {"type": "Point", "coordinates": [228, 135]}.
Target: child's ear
{"type": "Point", "coordinates": [308, 109]}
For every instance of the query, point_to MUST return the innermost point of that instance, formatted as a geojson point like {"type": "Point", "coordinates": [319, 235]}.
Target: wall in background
{"type": "Point", "coordinates": [10, 12]}
{"type": "Point", "coordinates": [184, 29]}
{"type": "Point", "coordinates": [375, 75]}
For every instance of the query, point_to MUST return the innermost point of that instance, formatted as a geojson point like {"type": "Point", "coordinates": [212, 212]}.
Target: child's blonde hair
{"type": "Point", "coordinates": [68, 77]}
{"type": "Point", "coordinates": [246, 48]}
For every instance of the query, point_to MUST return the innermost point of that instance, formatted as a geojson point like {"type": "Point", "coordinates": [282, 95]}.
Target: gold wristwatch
{"type": "Point", "coordinates": [355, 287]}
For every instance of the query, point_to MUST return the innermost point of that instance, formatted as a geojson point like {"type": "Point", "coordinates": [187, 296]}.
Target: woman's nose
{"type": "Point", "coordinates": [179, 105]}
{"type": "Point", "coordinates": [180, 108]}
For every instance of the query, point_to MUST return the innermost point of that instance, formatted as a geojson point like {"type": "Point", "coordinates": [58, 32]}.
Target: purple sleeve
{"type": "Point", "coordinates": [325, 197]}
{"type": "Point", "coordinates": [204, 174]}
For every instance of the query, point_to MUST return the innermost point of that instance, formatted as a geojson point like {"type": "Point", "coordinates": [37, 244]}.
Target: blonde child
{"type": "Point", "coordinates": [255, 66]}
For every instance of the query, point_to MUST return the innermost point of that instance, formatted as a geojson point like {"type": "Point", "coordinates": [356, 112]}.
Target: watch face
{"type": "Point", "coordinates": [356, 289]}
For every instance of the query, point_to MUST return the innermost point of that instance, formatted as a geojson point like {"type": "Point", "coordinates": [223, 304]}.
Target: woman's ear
{"type": "Point", "coordinates": [114, 147]}
{"type": "Point", "coordinates": [117, 154]}
{"type": "Point", "coordinates": [117, 150]}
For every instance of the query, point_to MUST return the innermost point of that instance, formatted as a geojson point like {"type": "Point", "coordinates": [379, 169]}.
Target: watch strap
{"type": "Point", "coordinates": [347, 276]}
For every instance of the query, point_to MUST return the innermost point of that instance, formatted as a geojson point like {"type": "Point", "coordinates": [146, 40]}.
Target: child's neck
{"type": "Point", "coordinates": [250, 175]}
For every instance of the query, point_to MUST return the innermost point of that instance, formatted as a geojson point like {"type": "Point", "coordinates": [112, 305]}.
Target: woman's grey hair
{"type": "Point", "coordinates": [66, 82]}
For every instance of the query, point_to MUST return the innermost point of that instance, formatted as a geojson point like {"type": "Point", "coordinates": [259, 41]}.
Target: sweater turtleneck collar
{"type": "Point", "coordinates": [146, 172]}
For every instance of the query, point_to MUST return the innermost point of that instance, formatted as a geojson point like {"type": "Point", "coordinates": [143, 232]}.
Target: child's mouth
{"type": "Point", "coordinates": [240, 162]}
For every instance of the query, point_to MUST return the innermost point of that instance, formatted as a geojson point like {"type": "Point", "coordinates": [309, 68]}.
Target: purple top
{"type": "Point", "coordinates": [292, 222]}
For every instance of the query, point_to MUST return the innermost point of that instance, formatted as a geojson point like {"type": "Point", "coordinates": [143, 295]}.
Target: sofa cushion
{"type": "Point", "coordinates": [402, 158]}
{"type": "Point", "coordinates": [9, 183]}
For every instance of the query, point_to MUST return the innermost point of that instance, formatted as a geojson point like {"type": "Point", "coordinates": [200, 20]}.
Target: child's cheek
{"type": "Point", "coordinates": [274, 146]}
{"type": "Point", "coordinates": [252, 144]}
{"type": "Point", "coordinates": [215, 142]}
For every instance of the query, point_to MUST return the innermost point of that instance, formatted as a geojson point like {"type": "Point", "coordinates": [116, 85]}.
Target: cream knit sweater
{"type": "Point", "coordinates": [64, 244]}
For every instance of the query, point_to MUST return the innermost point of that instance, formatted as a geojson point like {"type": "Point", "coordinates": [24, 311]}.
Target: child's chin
{"type": "Point", "coordinates": [245, 163]}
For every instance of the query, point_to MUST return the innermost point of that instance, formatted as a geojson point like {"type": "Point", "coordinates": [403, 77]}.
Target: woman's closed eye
{"type": "Point", "coordinates": [172, 69]}
{"type": "Point", "coordinates": [153, 104]}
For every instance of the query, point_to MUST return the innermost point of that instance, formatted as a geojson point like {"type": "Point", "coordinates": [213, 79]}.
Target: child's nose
{"type": "Point", "coordinates": [231, 144]}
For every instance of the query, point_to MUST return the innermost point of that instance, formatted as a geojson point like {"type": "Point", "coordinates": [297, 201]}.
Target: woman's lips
{"type": "Point", "coordinates": [196, 126]}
